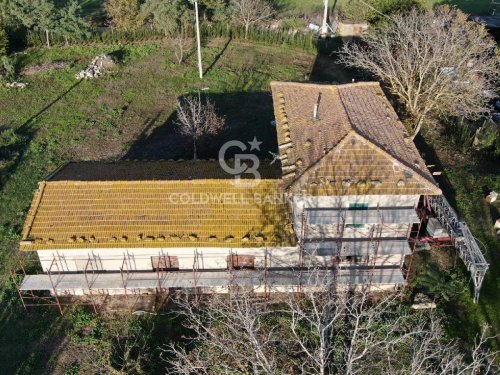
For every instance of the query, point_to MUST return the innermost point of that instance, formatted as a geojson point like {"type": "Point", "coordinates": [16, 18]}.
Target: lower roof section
{"type": "Point", "coordinates": [158, 213]}
{"type": "Point", "coordinates": [215, 279]}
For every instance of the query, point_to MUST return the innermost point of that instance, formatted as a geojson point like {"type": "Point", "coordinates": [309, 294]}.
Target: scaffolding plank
{"type": "Point", "coordinates": [149, 280]}
{"type": "Point", "coordinates": [361, 247]}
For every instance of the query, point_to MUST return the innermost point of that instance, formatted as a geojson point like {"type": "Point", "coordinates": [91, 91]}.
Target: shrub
{"type": "Point", "coordinates": [7, 68]}
{"type": "Point", "coordinates": [460, 133]}
{"type": "Point", "coordinates": [4, 42]}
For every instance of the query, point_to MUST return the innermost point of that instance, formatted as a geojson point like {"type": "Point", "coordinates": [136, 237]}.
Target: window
{"type": "Point", "coordinates": [356, 259]}
{"type": "Point", "coordinates": [358, 206]}
{"type": "Point", "coordinates": [355, 225]}
{"type": "Point", "coordinates": [241, 261]}
{"type": "Point", "coordinates": [350, 259]}
{"type": "Point", "coordinates": [165, 263]}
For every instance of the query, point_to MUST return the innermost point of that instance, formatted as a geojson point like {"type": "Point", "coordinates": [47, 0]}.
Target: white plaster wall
{"type": "Point", "coordinates": [333, 230]}
{"type": "Point", "coordinates": [208, 258]}
{"type": "Point", "coordinates": [139, 259]}
{"type": "Point", "coordinates": [299, 203]}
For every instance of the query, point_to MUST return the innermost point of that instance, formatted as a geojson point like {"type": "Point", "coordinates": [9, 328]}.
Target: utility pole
{"type": "Point", "coordinates": [198, 42]}
{"type": "Point", "coordinates": [324, 27]}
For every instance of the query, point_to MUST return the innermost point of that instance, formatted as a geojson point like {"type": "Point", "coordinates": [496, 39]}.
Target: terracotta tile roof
{"type": "Point", "coordinates": [70, 210]}
{"type": "Point", "coordinates": [356, 138]}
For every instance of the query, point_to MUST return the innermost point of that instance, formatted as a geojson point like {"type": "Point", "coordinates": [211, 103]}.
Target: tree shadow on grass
{"type": "Point", "coordinates": [29, 342]}
{"type": "Point", "coordinates": [247, 115]}
{"type": "Point", "coordinates": [217, 57]}
{"type": "Point", "coordinates": [470, 6]}
{"type": "Point", "coordinates": [15, 142]}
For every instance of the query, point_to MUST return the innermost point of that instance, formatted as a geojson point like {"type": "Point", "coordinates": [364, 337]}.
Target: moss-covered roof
{"type": "Point", "coordinates": [77, 212]}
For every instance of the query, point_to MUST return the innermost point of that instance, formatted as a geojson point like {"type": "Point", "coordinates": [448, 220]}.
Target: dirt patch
{"type": "Point", "coordinates": [40, 68]}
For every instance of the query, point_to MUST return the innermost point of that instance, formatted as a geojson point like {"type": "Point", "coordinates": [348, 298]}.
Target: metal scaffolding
{"type": "Point", "coordinates": [467, 248]}
{"type": "Point", "coordinates": [93, 281]}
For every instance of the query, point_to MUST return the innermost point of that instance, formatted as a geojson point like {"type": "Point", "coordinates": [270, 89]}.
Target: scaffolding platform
{"type": "Point", "coordinates": [357, 247]}
{"type": "Point", "coordinates": [112, 282]}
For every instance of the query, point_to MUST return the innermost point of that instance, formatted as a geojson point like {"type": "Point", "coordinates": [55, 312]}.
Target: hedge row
{"type": "Point", "coordinates": [307, 42]}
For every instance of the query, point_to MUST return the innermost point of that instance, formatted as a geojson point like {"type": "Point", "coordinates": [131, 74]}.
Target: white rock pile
{"type": "Point", "coordinates": [98, 66]}
{"type": "Point", "coordinates": [16, 85]}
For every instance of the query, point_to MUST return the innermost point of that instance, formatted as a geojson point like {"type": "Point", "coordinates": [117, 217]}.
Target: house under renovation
{"type": "Point", "coordinates": [341, 199]}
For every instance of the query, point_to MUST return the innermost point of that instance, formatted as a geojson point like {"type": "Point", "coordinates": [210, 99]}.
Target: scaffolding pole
{"type": "Point", "coordinates": [54, 290]}
{"type": "Point", "coordinates": [124, 276]}
{"type": "Point", "coordinates": [463, 240]}
{"type": "Point", "coordinates": [89, 286]}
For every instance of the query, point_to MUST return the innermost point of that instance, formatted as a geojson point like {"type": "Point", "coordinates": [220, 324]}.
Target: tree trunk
{"type": "Point", "coordinates": [246, 30]}
{"type": "Point", "coordinates": [419, 125]}
{"type": "Point", "coordinates": [47, 38]}
{"type": "Point", "coordinates": [194, 149]}
{"type": "Point", "coordinates": [417, 129]}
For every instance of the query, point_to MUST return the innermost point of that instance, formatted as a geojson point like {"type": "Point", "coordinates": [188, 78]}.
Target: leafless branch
{"type": "Point", "coordinates": [197, 118]}
{"type": "Point", "coordinates": [324, 329]}
{"type": "Point", "coordinates": [433, 61]}
{"type": "Point", "coordinates": [251, 12]}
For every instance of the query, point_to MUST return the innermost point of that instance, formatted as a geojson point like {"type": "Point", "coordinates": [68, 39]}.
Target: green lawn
{"type": "Point", "coordinates": [307, 6]}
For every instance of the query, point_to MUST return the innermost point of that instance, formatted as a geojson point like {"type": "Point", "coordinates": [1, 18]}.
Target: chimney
{"type": "Point", "coordinates": [316, 108]}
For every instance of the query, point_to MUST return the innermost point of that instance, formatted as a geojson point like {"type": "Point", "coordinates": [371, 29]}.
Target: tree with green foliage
{"type": "Point", "coordinates": [214, 10]}
{"type": "Point", "coordinates": [71, 25]}
{"type": "Point", "coordinates": [167, 16]}
{"type": "Point", "coordinates": [123, 14]}
{"type": "Point", "coordinates": [40, 15]}
{"type": "Point", "coordinates": [43, 15]}
{"type": "Point", "coordinates": [47, 20]}
{"type": "Point", "coordinates": [4, 42]}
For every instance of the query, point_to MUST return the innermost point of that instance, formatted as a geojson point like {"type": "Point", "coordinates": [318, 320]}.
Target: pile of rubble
{"type": "Point", "coordinates": [16, 85]}
{"type": "Point", "coordinates": [98, 66]}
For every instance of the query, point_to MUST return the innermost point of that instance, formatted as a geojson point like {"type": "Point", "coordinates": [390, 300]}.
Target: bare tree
{"type": "Point", "coordinates": [433, 61]}
{"type": "Point", "coordinates": [231, 337]}
{"type": "Point", "coordinates": [197, 118]}
{"type": "Point", "coordinates": [324, 331]}
{"type": "Point", "coordinates": [314, 319]}
{"type": "Point", "coordinates": [250, 12]}
{"type": "Point", "coordinates": [180, 44]}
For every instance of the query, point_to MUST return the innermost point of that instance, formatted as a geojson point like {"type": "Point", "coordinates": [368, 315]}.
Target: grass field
{"type": "Point", "coordinates": [307, 6]}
